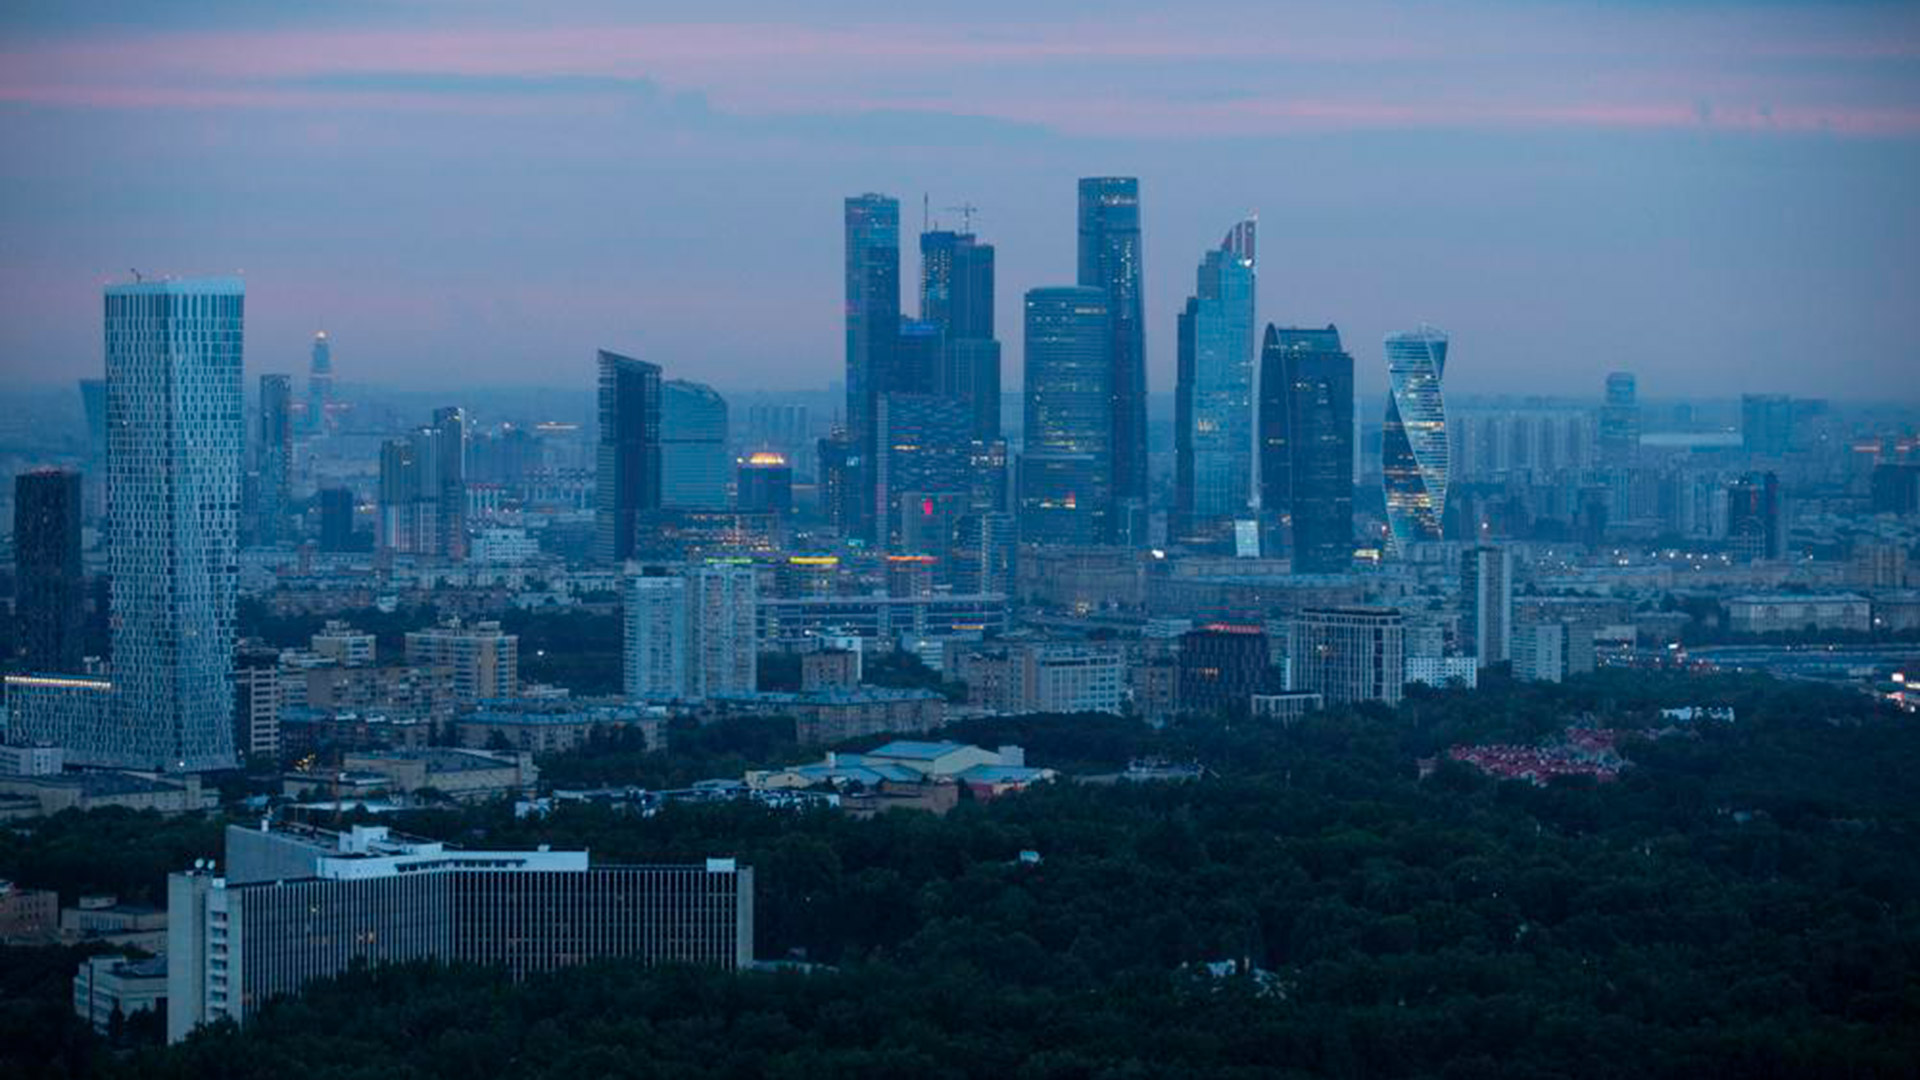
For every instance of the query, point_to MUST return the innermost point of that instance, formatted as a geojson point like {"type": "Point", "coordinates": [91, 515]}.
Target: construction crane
{"type": "Point", "coordinates": [966, 210]}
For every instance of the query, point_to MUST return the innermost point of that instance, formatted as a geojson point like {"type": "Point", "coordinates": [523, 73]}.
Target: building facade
{"type": "Point", "coordinates": [1066, 465]}
{"type": "Point", "coordinates": [1110, 260]}
{"type": "Point", "coordinates": [627, 476]}
{"type": "Point", "coordinates": [693, 446]}
{"type": "Point", "coordinates": [1348, 654]}
{"type": "Point", "coordinates": [49, 579]}
{"type": "Point", "coordinates": [1306, 446]}
{"type": "Point", "coordinates": [1414, 451]}
{"type": "Point", "coordinates": [1214, 397]}
{"type": "Point", "coordinates": [872, 224]}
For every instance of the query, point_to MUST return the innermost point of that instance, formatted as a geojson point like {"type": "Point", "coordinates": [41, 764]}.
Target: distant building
{"type": "Point", "coordinates": [48, 577]}
{"type": "Point", "coordinates": [1285, 707]}
{"type": "Point", "coordinates": [293, 906]}
{"type": "Point", "coordinates": [176, 431]}
{"type": "Point", "coordinates": [831, 716]}
{"type": "Point", "coordinates": [28, 916]}
{"type": "Point", "coordinates": [1444, 671]}
{"type": "Point", "coordinates": [1110, 261]}
{"type": "Point", "coordinates": [872, 224]}
{"type": "Point", "coordinates": [691, 634]}
{"type": "Point", "coordinates": [49, 795]}
{"type": "Point", "coordinates": [1791, 613]}
{"type": "Point", "coordinates": [485, 660]}
{"type": "Point", "coordinates": [1486, 604]}
{"type": "Point", "coordinates": [693, 446]}
{"type": "Point", "coordinates": [1620, 421]}
{"type": "Point", "coordinates": [1043, 678]}
{"type": "Point", "coordinates": [1066, 467]}
{"type": "Point", "coordinates": [627, 476]}
{"type": "Point", "coordinates": [1766, 424]}
{"type": "Point", "coordinates": [1414, 455]}
{"type": "Point", "coordinates": [1756, 518]}
{"type": "Point", "coordinates": [106, 986]}
{"type": "Point", "coordinates": [924, 443]}
{"type": "Point", "coordinates": [274, 459]}
{"type": "Point", "coordinates": [1222, 666]}
{"type": "Point", "coordinates": [1213, 434]}
{"type": "Point", "coordinates": [1348, 654]}
{"type": "Point", "coordinates": [765, 484]}
{"type": "Point", "coordinates": [259, 692]}
{"type": "Point", "coordinates": [336, 519]}
{"type": "Point", "coordinates": [552, 727]}
{"type": "Point", "coordinates": [319, 383]}
{"type": "Point", "coordinates": [1306, 446]}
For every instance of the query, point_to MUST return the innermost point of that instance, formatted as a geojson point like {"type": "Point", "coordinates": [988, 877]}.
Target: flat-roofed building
{"type": "Point", "coordinates": [1348, 654]}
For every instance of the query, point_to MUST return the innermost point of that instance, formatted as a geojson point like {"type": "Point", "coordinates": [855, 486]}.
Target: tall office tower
{"type": "Point", "coordinates": [873, 334]}
{"type": "Point", "coordinates": [918, 364]}
{"type": "Point", "coordinates": [48, 578]}
{"type": "Point", "coordinates": [259, 693]}
{"type": "Point", "coordinates": [656, 649]}
{"type": "Point", "coordinates": [1213, 399]}
{"type": "Point", "coordinates": [1110, 261]}
{"type": "Point", "coordinates": [985, 550]}
{"type": "Point", "coordinates": [1348, 654]}
{"type": "Point", "coordinates": [1486, 604]}
{"type": "Point", "coordinates": [627, 480]}
{"type": "Point", "coordinates": [336, 519]}
{"type": "Point", "coordinates": [93, 403]}
{"type": "Point", "coordinates": [319, 383]}
{"type": "Point", "coordinates": [1066, 467]}
{"type": "Point", "coordinates": [1620, 421]}
{"type": "Point", "coordinates": [485, 659]}
{"type": "Point", "coordinates": [1414, 461]}
{"type": "Point", "coordinates": [1766, 423]}
{"type": "Point", "coordinates": [765, 484]}
{"type": "Point", "coordinates": [722, 604]}
{"type": "Point", "coordinates": [275, 460]}
{"type": "Point", "coordinates": [177, 433]}
{"type": "Point", "coordinates": [838, 488]}
{"type": "Point", "coordinates": [956, 284]}
{"type": "Point", "coordinates": [1306, 446]}
{"type": "Point", "coordinates": [693, 446]}
{"type": "Point", "coordinates": [924, 448]}
{"type": "Point", "coordinates": [989, 474]}
{"type": "Point", "coordinates": [970, 372]}
{"type": "Point", "coordinates": [1756, 523]}
{"type": "Point", "coordinates": [449, 433]}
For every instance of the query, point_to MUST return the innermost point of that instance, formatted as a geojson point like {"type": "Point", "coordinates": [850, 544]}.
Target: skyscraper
{"type": "Point", "coordinates": [839, 491]}
{"type": "Point", "coordinates": [177, 433]}
{"type": "Point", "coordinates": [319, 383]}
{"type": "Point", "coordinates": [1213, 402]}
{"type": "Point", "coordinates": [93, 403]}
{"type": "Point", "coordinates": [917, 358]}
{"type": "Point", "coordinates": [656, 643]}
{"type": "Point", "coordinates": [1414, 461]}
{"type": "Point", "coordinates": [1756, 521]}
{"type": "Point", "coordinates": [1066, 466]}
{"type": "Point", "coordinates": [48, 578]}
{"type": "Point", "coordinates": [1306, 445]}
{"type": "Point", "coordinates": [765, 484]}
{"type": "Point", "coordinates": [409, 497]}
{"type": "Point", "coordinates": [1486, 604]}
{"type": "Point", "coordinates": [956, 284]}
{"type": "Point", "coordinates": [693, 446]}
{"type": "Point", "coordinates": [1766, 424]}
{"type": "Point", "coordinates": [1620, 421]}
{"type": "Point", "coordinates": [873, 331]}
{"type": "Point", "coordinates": [924, 443]}
{"type": "Point", "coordinates": [1110, 260]}
{"type": "Point", "coordinates": [449, 434]}
{"type": "Point", "coordinates": [336, 519]}
{"type": "Point", "coordinates": [275, 458]}
{"type": "Point", "coordinates": [627, 479]}
{"type": "Point", "coordinates": [691, 634]}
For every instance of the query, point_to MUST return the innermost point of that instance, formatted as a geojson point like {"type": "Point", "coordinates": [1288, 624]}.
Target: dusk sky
{"type": "Point", "coordinates": [1718, 196]}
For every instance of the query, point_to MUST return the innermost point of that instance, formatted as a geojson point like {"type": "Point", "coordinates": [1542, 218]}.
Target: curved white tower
{"type": "Point", "coordinates": [1413, 449]}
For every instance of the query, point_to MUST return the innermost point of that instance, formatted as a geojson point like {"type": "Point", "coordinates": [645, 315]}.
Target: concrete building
{"type": "Point", "coordinates": [109, 985]}
{"type": "Point", "coordinates": [293, 906]}
{"type": "Point", "coordinates": [831, 716]}
{"type": "Point", "coordinates": [1486, 604]}
{"type": "Point", "coordinates": [1788, 613]}
{"type": "Point", "coordinates": [41, 796]}
{"type": "Point", "coordinates": [28, 916]}
{"type": "Point", "coordinates": [1348, 654]}
{"type": "Point", "coordinates": [1444, 671]}
{"type": "Point", "coordinates": [485, 660]}
{"type": "Point", "coordinates": [1285, 707]}
{"type": "Point", "coordinates": [549, 727]}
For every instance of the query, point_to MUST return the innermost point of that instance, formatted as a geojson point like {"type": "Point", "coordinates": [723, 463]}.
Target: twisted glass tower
{"type": "Point", "coordinates": [1414, 461]}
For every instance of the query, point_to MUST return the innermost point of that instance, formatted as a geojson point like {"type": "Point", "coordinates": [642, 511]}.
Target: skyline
{"type": "Point", "coordinates": [1725, 181]}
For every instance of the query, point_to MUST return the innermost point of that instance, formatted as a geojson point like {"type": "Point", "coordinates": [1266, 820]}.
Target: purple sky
{"type": "Point", "coordinates": [1718, 196]}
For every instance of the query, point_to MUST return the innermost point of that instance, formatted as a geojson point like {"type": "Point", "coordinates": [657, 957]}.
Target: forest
{"type": "Point", "coordinates": [1744, 901]}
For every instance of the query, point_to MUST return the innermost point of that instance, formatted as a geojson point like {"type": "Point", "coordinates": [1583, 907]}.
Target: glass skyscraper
{"type": "Point", "coordinates": [176, 437]}
{"type": "Point", "coordinates": [319, 382]}
{"type": "Point", "coordinates": [627, 478]}
{"type": "Point", "coordinates": [873, 331]}
{"type": "Point", "coordinates": [275, 460]}
{"type": "Point", "coordinates": [693, 446]}
{"type": "Point", "coordinates": [1414, 456]}
{"type": "Point", "coordinates": [1306, 446]}
{"type": "Point", "coordinates": [1213, 402]}
{"type": "Point", "coordinates": [1066, 466]}
{"type": "Point", "coordinates": [1620, 421]}
{"type": "Point", "coordinates": [956, 284]}
{"type": "Point", "coordinates": [924, 450]}
{"type": "Point", "coordinates": [48, 578]}
{"type": "Point", "coordinates": [1110, 261]}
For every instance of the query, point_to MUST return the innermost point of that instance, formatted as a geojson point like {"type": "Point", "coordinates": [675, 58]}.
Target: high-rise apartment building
{"type": "Point", "coordinates": [1110, 260]}
{"type": "Point", "coordinates": [423, 491]}
{"type": "Point", "coordinates": [1486, 604]}
{"type": "Point", "coordinates": [1306, 446]}
{"type": "Point", "coordinates": [1066, 468]}
{"type": "Point", "coordinates": [873, 334]}
{"type": "Point", "coordinates": [1756, 519]}
{"type": "Point", "coordinates": [485, 659]}
{"type": "Point", "coordinates": [691, 634]}
{"type": "Point", "coordinates": [274, 459]}
{"type": "Point", "coordinates": [291, 904]}
{"type": "Point", "coordinates": [1414, 452]}
{"type": "Point", "coordinates": [176, 438]}
{"type": "Point", "coordinates": [693, 446]}
{"type": "Point", "coordinates": [449, 435]}
{"type": "Point", "coordinates": [1348, 654]}
{"type": "Point", "coordinates": [1620, 421]}
{"type": "Point", "coordinates": [1213, 403]}
{"type": "Point", "coordinates": [627, 477]}
{"type": "Point", "coordinates": [49, 580]}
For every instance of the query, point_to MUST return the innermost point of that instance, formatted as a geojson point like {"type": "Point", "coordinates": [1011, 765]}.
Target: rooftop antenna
{"type": "Point", "coordinates": [966, 210]}
{"type": "Point", "coordinates": [136, 276]}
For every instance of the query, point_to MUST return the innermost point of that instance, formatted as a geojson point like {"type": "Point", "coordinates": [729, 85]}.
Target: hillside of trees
{"type": "Point", "coordinates": [1744, 901]}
